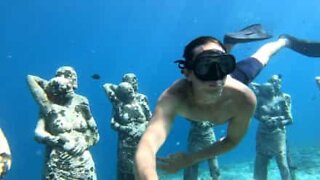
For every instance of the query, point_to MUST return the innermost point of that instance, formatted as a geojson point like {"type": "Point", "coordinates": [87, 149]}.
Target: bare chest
{"type": "Point", "coordinates": [213, 113]}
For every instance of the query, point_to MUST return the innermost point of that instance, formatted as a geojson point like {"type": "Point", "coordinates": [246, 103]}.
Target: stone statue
{"type": "Point", "coordinates": [130, 116]}
{"type": "Point", "coordinates": [273, 113]}
{"type": "Point", "coordinates": [317, 78]}
{"type": "Point", "coordinates": [201, 135]}
{"type": "Point", "coordinates": [5, 155]}
{"type": "Point", "coordinates": [65, 126]}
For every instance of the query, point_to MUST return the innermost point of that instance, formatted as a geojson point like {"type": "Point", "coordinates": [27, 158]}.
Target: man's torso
{"type": "Point", "coordinates": [219, 111]}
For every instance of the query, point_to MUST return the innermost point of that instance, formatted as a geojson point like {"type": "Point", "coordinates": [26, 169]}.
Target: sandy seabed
{"type": "Point", "coordinates": [307, 161]}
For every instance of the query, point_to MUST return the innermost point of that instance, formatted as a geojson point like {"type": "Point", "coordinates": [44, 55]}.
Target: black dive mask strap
{"type": "Point", "coordinates": [181, 64]}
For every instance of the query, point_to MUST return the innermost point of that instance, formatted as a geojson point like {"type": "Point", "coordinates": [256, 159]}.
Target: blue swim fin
{"type": "Point", "coordinates": [305, 47]}
{"type": "Point", "coordinates": [254, 32]}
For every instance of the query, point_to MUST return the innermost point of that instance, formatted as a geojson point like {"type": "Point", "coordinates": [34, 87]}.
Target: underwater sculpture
{"type": "Point", "coordinates": [201, 135]}
{"type": "Point", "coordinates": [130, 116]}
{"type": "Point", "coordinates": [5, 155]}
{"type": "Point", "coordinates": [65, 126]}
{"type": "Point", "coordinates": [274, 114]}
{"type": "Point", "coordinates": [317, 78]}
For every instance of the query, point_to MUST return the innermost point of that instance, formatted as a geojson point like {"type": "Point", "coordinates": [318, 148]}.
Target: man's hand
{"type": "Point", "coordinates": [175, 162]}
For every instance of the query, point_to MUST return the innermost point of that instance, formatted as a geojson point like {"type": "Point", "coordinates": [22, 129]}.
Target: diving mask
{"type": "Point", "coordinates": [210, 65]}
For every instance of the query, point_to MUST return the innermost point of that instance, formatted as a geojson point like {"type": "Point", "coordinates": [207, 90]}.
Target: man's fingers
{"type": "Point", "coordinates": [162, 160]}
{"type": "Point", "coordinates": [167, 168]}
{"type": "Point", "coordinates": [162, 163]}
{"type": "Point", "coordinates": [165, 164]}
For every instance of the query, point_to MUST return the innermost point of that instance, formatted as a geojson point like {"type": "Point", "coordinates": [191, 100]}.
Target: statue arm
{"type": "Point", "coordinates": [36, 85]}
{"type": "Point", "coordinates": [146, 108]}
{"type": "Point", "coordinates": [118, 127]}
{"type": "Point", "coordinates": [92, 131]}
{"type": "Point", "coordinates": [110, 90]}
{"type": "Point", "coordinates": [287, 119]}
{"type": "Point", "coordinates": [4, 146]}
{"type": "Point", "coordinates": [43, 136]}
{"type": "Point", "coordinates": [260, 115]}
{"type": "Point", "coordinates": [5, 155]}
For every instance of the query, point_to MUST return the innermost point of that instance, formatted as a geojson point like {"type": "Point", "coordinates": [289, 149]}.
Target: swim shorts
{"type": "Point", "coordinates": [246, 70]}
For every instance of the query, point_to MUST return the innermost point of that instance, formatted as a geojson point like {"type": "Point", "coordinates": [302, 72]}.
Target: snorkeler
{"type": "Point", "coordinates": [213, 90]}
{"type": "Point", "coordinates": [201, 134]}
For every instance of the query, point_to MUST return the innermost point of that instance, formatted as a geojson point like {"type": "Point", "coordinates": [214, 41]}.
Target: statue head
{"type": "Point", "coordinates": [132, 79]}
{"type": "Point", "coordinates": [276, 82]}
{"type": "Point", "coordinates": [59, 89]}
{"type": "Point", "coordinates": [125, 92]}
{"type": "Point", "coordinates": [69, 73]}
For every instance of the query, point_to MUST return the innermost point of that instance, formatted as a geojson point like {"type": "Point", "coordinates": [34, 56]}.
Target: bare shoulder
{"type": "Point", "coordinates": [174, 95]}
{"type": "Point", "coordinates": [177, 91]}
{"type": "Point", "coordinates": [243, 95]}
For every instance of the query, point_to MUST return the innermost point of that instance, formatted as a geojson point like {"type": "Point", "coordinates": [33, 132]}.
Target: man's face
{"type": "Point", "coordinates": [213, 84]}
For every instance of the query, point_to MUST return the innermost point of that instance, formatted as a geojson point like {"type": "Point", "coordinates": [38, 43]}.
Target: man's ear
{"type": "Point", "coordinates": [186, 72]}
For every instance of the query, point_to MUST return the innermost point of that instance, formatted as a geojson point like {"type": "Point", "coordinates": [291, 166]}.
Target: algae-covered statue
{"type": "Point", "coordinates": [201, 135]}
{"type": "Point", "coordinates": [5, 155]}
{"type": "Point", "coordinates": [317, 78]}
{"type": "Point", "coordinates": [274, 114]}
{"type": "Point", "coordinates": [130, 116]}
{"type": "Point", "coordinates": [65, 126]}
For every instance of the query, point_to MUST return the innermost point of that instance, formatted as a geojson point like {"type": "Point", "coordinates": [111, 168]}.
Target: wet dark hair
{"type": "Point", "coordinates": [188, 50]}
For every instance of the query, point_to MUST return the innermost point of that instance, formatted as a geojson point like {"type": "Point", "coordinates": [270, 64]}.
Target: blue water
{"type": "Point", "coordinates": [115, 37]}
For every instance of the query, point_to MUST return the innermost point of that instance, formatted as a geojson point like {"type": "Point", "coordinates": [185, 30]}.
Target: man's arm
{"type": "Point", "coordinates": [288, 119]}
{"type": "Point", "coordinates": [154, 136]}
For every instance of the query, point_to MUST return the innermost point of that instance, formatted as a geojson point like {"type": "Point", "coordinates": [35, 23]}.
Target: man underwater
{"type": "Point", "coordinates": [213, 90]}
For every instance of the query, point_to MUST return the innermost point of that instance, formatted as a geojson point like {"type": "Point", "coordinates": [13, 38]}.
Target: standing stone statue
{"type": "Point", "coordinates": [130, 116]}
{"type": "Point", "coordinates": [317, 79]}
{"type": "Point", "coordinates": [273, 113]}
{"type": "Point", "coordinates": [5, 155]}
{"type": "Point", "coordinates": [65, 126]}
{"type": "Point", "coordinates": [201, 135]}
